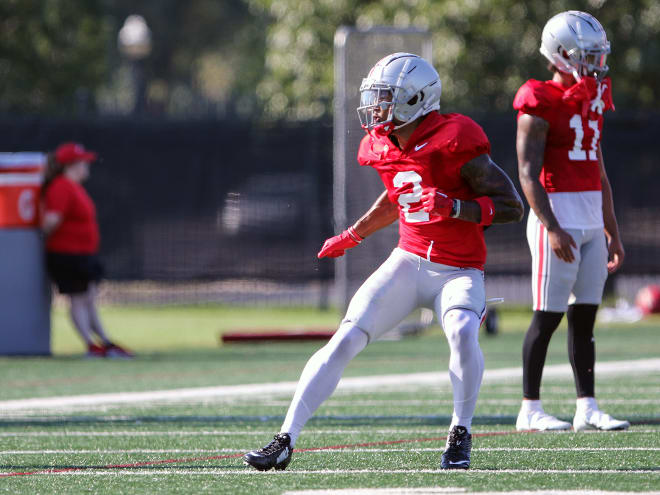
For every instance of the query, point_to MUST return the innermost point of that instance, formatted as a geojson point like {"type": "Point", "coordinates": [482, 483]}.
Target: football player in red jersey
{"type": "Point", "coordinates": [563, 177]}
{"type": "Point", "coordinates": [442, 186]}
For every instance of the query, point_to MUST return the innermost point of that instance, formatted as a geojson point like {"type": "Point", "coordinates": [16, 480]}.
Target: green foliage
{"type": "Point", "coordinates": [51, 52]}
{"type": "Point", "coordinates": [484, 50]}
{"type": "Point", "coordinates": [274, 58]}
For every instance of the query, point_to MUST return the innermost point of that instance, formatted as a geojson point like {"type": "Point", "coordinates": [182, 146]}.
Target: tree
{"type": "Point", "coordinates": [483, 49]}
{"type": "Point", "coordinates": [52, 53]}
{"type": "Point", "coordinates": [273, 59]}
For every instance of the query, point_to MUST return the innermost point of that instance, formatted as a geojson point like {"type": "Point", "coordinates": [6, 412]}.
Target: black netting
{"type": "Point", "coordinates": [232, 211]}
{"type": "Point", "coordinates": [201, 200]}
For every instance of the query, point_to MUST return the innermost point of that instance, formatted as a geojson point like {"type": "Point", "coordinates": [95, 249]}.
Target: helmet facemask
{"type": "Point", "coordinates": [376, 106]}
{"type": "Point", "coordinates": [593, 63]}
{"type": "Point", "coordinates": [584, 62]}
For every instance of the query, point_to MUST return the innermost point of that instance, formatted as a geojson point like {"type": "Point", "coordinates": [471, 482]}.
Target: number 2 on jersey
{"type": "Point", "coordinates": [577, 153]}
{"type": "Point", "coordinates": [406, 199]}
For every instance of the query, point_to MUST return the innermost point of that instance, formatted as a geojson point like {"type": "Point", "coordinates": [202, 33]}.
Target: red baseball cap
{"type": "Point", "coordinates": [68, 153]}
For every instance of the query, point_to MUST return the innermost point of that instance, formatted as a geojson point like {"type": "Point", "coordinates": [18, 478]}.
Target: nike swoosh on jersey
{"type": "Point", "coordinates": [420, 146]}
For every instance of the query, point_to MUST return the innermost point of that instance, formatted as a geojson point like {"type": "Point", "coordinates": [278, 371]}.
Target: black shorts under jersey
{"type": "Point", "coordinates": [72, 273]}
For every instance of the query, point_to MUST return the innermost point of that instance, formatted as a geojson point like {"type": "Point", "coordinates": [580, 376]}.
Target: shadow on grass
{"type": "Point", "coordinates": [248, 420]}
{"type": "Point", "coordinates": [242, 420]}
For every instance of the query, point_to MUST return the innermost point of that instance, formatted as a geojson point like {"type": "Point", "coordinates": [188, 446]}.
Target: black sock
{"type": "Point", "coordinates": [581, 348]}
{"type": "Point", "coordinates": [535, 348]}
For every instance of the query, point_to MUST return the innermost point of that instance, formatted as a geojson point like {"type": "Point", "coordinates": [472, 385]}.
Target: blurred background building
{"type": "Point", "coordinates": [214, 121]}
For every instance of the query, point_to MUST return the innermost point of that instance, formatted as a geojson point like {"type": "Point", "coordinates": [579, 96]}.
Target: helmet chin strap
{"type": "Point", "coordinates": [419, 113]}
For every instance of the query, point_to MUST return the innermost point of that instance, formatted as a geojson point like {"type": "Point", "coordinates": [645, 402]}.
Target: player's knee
{"type": "Point", "coordinates": [347, 342]}
{"type": "Point", "coordinates": [460, 326]}
{"type": "Point", "coordinates": [545, 322]}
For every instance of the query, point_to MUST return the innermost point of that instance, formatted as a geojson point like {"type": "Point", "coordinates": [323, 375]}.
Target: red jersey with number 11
{"type": "Point", "coordinates": [575, 115]}
{"type": "Point", "coordinates": [433, 157]}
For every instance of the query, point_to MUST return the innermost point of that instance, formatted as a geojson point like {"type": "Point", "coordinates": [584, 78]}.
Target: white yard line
{"type": "Point", "coordinates": [156, 471]}
{"type": "Point", "coordinates": [333, 451]}
{"type": "Point", "coordinates": [450, 490]}
{"type": "Point", "coordinates": [496, 449]}
{"type": "Point", "coordinates": [119, 451]}
{"type": "Point", "coordinates": [309, 431]}
{"type": "Point", "coordinates": [286, 388]}
{"type": "Point", "coordinates": [174, 433]}
{"type": "Point", "coordinates": [432, 402]}
{"type": "Point", "coordinates": [381, 491]}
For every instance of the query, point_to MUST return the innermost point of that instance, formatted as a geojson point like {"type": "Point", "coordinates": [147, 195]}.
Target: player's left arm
{"type": "Point", "coordinates": [488, 180]}
{"type": "Point", "coordinates": [614, 244]}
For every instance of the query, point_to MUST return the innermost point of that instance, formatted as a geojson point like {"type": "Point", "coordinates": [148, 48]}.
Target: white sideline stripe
{"type": "Point", "coordinates": [432, 402]}
{"type": "Point", "coordinates": [379, 491]}
{"type": "Point", "coordinates": [337, 401]}
{"type": "Point", "coordinates": [118, 451]}
{"type": "Point", "coordinates": [165, 433]}
{"type": "Point", "coordinates": [177, 433]}
{"type": "Point", "coordinates": [433, 491]}
{"type": "Point", "coordinates": [333, 451]}
{"type": "Point", "coordinates": [116, 472]}
{"type": "Point", "coordinates": [357, 383]}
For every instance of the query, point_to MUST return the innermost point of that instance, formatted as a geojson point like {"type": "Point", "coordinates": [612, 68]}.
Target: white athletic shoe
{"type": "Point", "coordinates": [595, 419]}
{"type": "Point", "coordinates": [539, 420]}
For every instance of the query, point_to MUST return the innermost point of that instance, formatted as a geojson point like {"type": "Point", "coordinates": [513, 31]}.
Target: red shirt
{"type": "Point", "coordinates": [570, 163]}
{"type": "Point", "coordinates": [79, 232]}
{"type": "Point", "coordinates": [433, 157]}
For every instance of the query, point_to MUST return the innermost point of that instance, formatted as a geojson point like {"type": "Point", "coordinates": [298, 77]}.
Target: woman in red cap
{"type": "Point", "coordinates": [72, 243]}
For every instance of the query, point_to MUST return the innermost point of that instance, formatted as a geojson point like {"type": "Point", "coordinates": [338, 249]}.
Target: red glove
{"type": "Point", "coordinates": [436, 203]}
{"type": "Point", "coordinates": [337, 245]}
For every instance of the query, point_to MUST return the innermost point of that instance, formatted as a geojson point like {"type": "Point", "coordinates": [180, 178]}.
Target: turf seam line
{"type": "Point", "coordinates": [230, 456]}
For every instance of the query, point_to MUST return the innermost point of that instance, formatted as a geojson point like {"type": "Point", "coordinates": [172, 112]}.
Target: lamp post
{"type": "Point", "coordinates": [134, 42]}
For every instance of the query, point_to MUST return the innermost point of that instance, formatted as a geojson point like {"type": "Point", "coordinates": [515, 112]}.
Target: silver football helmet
{"type": "Point", "coordinates": [399, 88]}
{"type": "Point", "coordinates": [576, 43]}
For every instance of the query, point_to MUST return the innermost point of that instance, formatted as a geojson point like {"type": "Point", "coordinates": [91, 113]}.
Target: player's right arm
{"type": "Point", "coordinates": [381, 214]}
{"type": "Point", "coordinates": [57, 202]}
{"type": "Point", "coordinates": [50, 222]}
{"type": "Point", "coordinates": [530, 146]}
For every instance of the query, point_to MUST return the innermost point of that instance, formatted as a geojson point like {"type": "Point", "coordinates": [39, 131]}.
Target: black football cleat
{"type": "Point", "coordinates": [457, 451]}
{"type": "Point", "coordinates": [277, 454]}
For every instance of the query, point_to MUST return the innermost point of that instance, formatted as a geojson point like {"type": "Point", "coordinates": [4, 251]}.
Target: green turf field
{"type": "Point", "coordinates": [164, 433]}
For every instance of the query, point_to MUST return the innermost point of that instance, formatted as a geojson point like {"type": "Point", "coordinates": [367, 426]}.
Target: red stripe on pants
{"type": "Point", "coordinates": [539, 282]}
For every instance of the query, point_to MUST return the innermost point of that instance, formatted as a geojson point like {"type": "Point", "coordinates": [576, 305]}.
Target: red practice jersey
{"type": "Point", "coordinates": [575, 115]}
{"type": "Point", "coordinates": [433, 157]}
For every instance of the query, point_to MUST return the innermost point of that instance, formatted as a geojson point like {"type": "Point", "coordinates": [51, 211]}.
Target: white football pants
{"type": "Point", "coordinates": [401, 284]}
{"type": "Point", "coordinates": [556, 283]}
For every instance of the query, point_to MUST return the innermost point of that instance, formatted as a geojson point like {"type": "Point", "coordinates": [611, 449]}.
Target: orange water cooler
{"type": "Point", "coordinates": [24, 286]}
